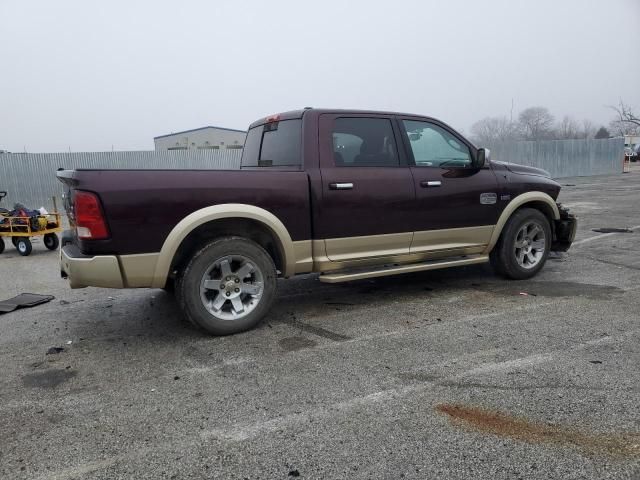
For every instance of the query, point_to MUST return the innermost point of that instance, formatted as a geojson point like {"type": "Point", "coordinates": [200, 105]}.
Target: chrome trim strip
{"type": "Point", "coordinates": [341, 186]}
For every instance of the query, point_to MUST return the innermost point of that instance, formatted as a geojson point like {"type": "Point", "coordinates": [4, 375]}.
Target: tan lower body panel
{"type": "Point", "coordinates": [352, 248]}
{"type": "Point", "coordinates": [408, 248]}
{"type": "Point", "coordinates": [451, 238]}
{"type": "Point", "coordinates": [396, 270]}
{"type": "Point", "coordinates": [304, 256]}
{"type": "Point", "coordinates": [356, 252]}
{"type": "Point", "coordinates": [137, 270]}
{"type": "Point", "coordinates": [102, 271]}
{"type": "Point", "coordinates": [312, 255]}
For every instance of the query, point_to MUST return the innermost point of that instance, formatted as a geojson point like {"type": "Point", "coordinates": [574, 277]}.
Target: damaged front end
{"type": "Point", "coordinates": [564, 230]}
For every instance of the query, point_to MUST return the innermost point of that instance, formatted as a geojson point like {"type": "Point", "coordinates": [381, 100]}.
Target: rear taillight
{"type": "Point", "coordinates": [90, 222]}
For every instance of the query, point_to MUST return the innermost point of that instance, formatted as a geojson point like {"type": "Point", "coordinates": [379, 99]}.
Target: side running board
{"type": "Point", "coordinates": [348, 275]}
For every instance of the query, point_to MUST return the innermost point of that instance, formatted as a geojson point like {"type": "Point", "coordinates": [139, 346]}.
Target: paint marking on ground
{"type": "Point", "coordinates": [598, 237]}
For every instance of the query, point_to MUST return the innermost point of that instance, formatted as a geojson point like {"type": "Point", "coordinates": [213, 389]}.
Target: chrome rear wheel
{"type": "Point", "coordinates": [232, 287]}
{"type": "Point", "coordinates": [227, 286]}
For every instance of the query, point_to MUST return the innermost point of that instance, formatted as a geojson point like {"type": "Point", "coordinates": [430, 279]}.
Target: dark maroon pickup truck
{"type": "Point", "coordinates": [346, 194]}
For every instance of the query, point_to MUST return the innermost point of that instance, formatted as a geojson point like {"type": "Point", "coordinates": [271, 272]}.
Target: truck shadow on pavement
{"type": "Point", "coordinates": [155, 313]}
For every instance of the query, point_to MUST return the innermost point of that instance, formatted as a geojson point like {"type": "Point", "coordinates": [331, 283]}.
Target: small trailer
{"type": "Point", "coordinates": [21, 228]}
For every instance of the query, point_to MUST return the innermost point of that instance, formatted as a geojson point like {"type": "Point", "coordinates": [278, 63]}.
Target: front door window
{"type": "Point", "coordinates": [433, 146]}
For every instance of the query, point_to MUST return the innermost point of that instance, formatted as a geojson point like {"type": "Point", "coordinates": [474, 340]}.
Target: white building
{"type": "Point", "coordinates": [631, 140]}
{"type": "Point", "coordinates": [204, 138]}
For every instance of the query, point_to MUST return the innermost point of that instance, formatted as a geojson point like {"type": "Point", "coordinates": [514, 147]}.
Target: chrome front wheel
{"type": "Point", "coordinates": [530, 245]}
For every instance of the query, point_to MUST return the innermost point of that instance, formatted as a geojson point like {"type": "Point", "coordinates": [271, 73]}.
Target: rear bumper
{"type": "Point", "coordinates": [564, 231]}
{"type": "Point", "coordinates": [84, 271]}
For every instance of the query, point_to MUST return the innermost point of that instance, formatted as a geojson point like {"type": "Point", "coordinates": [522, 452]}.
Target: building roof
{"type": "Point", "coordinates": [198, 129]}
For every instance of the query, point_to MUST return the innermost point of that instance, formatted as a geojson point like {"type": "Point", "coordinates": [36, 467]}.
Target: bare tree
{"type": "Point", "coordinates": [567, 128]}
{"type": "Point", "coordinates": [620, 129]}
{"type": "Point", "coordinates": [536, 123]}
{"type": "Point", "coordinates": [626, 121]}
{"type": "Point", "coordinates": [588, 129]}
{"type": "Point", "coordinates": [625, 114]}
{"type": "Point", "coordinates": [493, 129]}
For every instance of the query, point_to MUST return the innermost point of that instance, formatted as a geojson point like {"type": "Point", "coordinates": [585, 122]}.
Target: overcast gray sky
{"type": "Point", "coordinates": [88, 75]}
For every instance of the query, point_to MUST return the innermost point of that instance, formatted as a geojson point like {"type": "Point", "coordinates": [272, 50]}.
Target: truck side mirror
{"type": "Point", "coordinates": [483, 157]}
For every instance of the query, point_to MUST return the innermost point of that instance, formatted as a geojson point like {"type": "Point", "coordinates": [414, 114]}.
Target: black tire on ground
{"type": "Point", "coordinates": [24, 247]}
{"type": "Point", "coordinates": [1, 245]}
{"type": "Point", "coordinates": [14, 240]}
{"type": "Point", "coordinates": [503, 256]}
{"type": "Point", "coordinates": [189, 281]}
{"type": "Point", "coordinates": [51, 241]}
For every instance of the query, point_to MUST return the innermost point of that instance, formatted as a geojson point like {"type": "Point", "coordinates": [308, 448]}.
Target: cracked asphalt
{"type": "Point", "coordinates": [452, 374]}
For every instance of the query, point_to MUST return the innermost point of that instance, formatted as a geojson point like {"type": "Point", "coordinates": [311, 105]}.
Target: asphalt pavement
{"type": "Point", "coordinates": [453, 374]}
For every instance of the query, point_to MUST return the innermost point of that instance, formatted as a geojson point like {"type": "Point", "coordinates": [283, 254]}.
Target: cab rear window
{"type": "Point", "coordinates": [274, 144]}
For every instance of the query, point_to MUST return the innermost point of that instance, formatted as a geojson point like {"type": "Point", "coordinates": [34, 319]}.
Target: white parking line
{"type": "Point", "coordinates": [240, 433]}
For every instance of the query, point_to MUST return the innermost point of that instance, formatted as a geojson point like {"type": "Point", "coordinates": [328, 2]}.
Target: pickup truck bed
{"type": "Point", "coordinates": [143, 206]}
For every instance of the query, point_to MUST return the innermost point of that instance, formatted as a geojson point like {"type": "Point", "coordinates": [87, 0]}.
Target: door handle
{"type": "Point", "coordinates": [341, 186]}
{"type": "Point", "coordinates": [430, 183]}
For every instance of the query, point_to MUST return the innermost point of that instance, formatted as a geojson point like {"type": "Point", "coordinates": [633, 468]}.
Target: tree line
{"type": "Point", "coordinates": [537, 123]}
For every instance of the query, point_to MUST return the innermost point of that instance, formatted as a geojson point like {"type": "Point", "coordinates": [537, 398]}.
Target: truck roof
{"type": "Point", "coordinates": [292, 114]}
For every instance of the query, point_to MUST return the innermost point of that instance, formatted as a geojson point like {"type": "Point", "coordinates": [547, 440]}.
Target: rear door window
{"type": "Point", "coordinates": [364, 142]}
{"type": "Point", "coordinates": [274, 144]}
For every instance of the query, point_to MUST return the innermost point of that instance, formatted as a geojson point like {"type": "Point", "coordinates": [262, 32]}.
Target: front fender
{"type": "Point", "coordinates": [519, 201]}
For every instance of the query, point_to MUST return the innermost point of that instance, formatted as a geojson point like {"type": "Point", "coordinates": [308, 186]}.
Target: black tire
{"type": "Point", "coordinates": [14, 241]}
{"type": "Point", "coordinates": [1, 245]}
{"type": "Point", "coordinates": [51, 241]}
{"type": "Point", "coordinates": [191, 277]}
{"type": "Point", "coordinates": [504, 256]}
{"type": "Point", "coordinates": [24, 247]}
